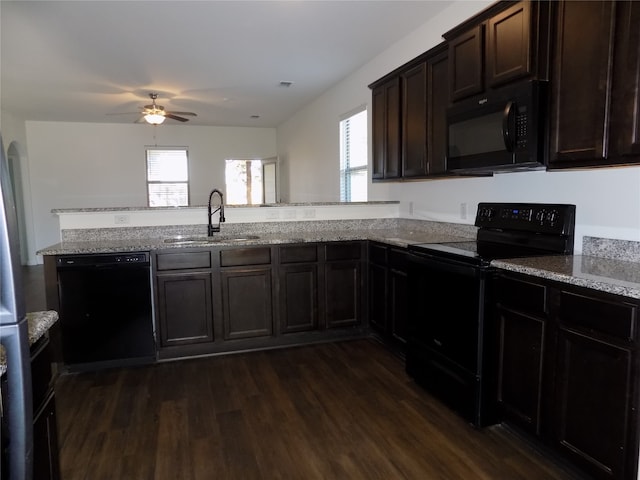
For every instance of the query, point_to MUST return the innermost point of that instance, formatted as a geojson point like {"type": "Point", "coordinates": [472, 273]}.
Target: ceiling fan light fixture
{"type": "Point", "coordinates": [154, 118]}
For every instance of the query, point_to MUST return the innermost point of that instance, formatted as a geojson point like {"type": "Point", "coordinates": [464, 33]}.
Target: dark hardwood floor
{"type": "Point", "coordinates": [331, 411]}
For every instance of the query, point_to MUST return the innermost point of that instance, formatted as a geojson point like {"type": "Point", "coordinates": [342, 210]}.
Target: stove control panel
{"type": "Point", "coordinates": [550, 218]}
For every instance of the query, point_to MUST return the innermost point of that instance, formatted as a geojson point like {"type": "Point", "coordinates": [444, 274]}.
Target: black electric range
{"type": "Point", "coordinates": [449, 348]}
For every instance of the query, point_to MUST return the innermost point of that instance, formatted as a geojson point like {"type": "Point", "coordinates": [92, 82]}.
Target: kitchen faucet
{"type": "Point", "coordinates": [210, 228]}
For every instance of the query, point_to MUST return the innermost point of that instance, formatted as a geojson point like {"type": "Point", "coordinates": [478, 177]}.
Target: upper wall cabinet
{"type": "Point", "coordinates": [595, 102]}
{"type": "Point", "coordinates": [409, 107]}
{"type": "Point", "coordinates": [386, 129]}
{"type": "Point", "coordinates": [499, 45]}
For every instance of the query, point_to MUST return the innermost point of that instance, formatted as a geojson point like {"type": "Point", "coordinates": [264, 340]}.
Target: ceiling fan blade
{"type": "Point", "coordinates": [191, 114]}
{"type": "Point", "coordinates": [175, 117]}
{"type": "Point", "coordinates": [123, 113]}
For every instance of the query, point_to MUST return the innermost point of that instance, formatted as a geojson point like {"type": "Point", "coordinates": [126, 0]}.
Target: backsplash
{"type": "Point", "coordinates": [610, 248]}
{"type": "Point", "coordinates": [165, 231]}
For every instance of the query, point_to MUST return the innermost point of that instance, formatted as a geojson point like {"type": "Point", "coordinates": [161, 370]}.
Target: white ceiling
{"type": "Point", "coordinates": [81, 61]}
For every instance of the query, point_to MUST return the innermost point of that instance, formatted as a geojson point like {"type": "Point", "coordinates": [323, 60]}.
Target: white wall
{"type": "Point", "coordinates": [84, 165]}
{"type": "Point", "coordinates": [607, 199]}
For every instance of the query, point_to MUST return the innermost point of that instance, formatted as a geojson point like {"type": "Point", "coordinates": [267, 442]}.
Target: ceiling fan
{"type": "Point", "coordinates": [156, 114]}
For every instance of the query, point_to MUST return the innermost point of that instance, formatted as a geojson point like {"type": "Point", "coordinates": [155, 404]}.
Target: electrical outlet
{"type": "Point", "coordinates": [273, 215]}
{"type": "Point", "coordinates": [289, 214]}
{"type": "Point", "coordinates": [463, 210]}
{"type": "Point", "coordinates": [410, 208]}
{"type": "Point", "coordinates": [309, 213]}
{"type": "Point", "coordinates": [121, 219]}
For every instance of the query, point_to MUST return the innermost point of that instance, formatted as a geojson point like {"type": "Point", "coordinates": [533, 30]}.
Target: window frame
{"type": "Point", "coordinates": [148, 182]}
{"type": "Point", "coordinates": [345, 169]}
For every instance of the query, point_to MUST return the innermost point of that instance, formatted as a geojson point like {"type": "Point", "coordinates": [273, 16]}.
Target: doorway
{"type": "Point", "coordinates": [15, 176]}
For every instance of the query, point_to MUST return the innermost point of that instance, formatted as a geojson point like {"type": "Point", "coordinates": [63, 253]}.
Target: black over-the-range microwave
{"type": "Point", "coordinates": [503, 130]}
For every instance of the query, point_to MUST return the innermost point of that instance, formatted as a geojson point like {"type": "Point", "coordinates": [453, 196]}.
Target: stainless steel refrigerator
{"type": "Point", "coordinates": [17, 457]}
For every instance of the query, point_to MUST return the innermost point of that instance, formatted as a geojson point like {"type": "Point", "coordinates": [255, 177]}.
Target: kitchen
{"type": "Point", "coordinates": [304, 143]}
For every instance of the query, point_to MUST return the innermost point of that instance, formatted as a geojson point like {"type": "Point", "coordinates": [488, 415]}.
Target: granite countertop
{"type": "Point", "coordinates": [38, 324]}
{"type": "Point", "coordinates": [398, 237]}
{"type": "Point", "coordinates": [605, 274]}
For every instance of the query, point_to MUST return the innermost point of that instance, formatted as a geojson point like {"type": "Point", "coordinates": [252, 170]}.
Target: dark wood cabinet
{"type": "Point", "coordinates": [521, 326]}
{"type": "Point", "coordinates": [409, 137]}
{"type": "Point", "coordinates": [386, 130]}
{"type": "Point", "coordinates": [595, 84]}
{"type": "Point", "coordinates": [183, 292]}
{"type": "Point", "coordinates": [247, 292]}
{"type": "Point", "coordinates": [414, 120]}
{"type": "Point", "coordinates": [184, 308]}
{"type": "Point", "coordinates": [569, 371]}
{"type": "Point", "coordinates": [581, 82]}
{"type": "Point", "coordinates": [388, 293]}
{"type": "Point", "coordinates": [466, 61]}
{"type": "Point", "coordinates": [596, 385]}
{"type": "Point", "coordinates": [298, 288]}
{"type": "Point", "coordinates": [46, 464]}
{"type": "Point", "coordinates": [498, 46]}
{"type": "Point", "coordinates": [343, 284]}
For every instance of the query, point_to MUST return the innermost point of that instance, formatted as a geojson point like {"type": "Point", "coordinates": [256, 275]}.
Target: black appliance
{"type": "Point", "coordinates": [105, 310]}
{"type": "Point", "coordinates": [502, 130]}
{"type": "Point", "coordinates": [449, 350]}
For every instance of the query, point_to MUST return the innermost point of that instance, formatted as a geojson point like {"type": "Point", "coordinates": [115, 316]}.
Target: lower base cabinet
{"type": "Point", "coordinates": [569, 371]}
{"type": "Point", "coordinates": [247, 303]}
{"type": "Point", "coordinates": [45, 442]}
{"type": "Point", "coordinates": [223, 299]}
{"type": "Point", "coordinates": [388, 286]}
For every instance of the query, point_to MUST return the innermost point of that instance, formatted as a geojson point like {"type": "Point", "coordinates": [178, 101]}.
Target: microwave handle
{"type": "Point", "coordinates": [509, 126]}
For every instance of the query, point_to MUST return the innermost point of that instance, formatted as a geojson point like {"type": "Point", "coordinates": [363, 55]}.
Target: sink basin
{"type": "Point", "coordinates": [213, 239]}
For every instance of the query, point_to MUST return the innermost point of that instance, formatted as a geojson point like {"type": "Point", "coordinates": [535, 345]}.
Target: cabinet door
{"type": "Point", "coordinates": [378, 297]}
{"type": "Point", "coordinates": [398, 298]}
{"type": "Point", "coordinates": [45, 443]}
{"type": "Point", "coordinates": [437, 104]}
{"type": "Point", "coordinates": [625, 126]}
{"type": "Point", "coordinates": [247, 303]}
{"type": "Point", "coordinates": [414, 121]}
{"type": "Point", "coordinates": [465, 63]}
{"type": "Point", "coordinates": [595, 403]}
{"type": "Point", "coordinates": [343, 293]}
{"type": "Point", "coordinates": [386, 130]}
{"type": "Point", "coordinates": [520, 360]}
{"type": "Point", "coordinates": [581, 83]}
{"type": "Point", "coordinates": [185, 308]}
{"type": "Point", "coordinates": [509, 45]}
{"type": "Point", "coordinates": [298, 298]}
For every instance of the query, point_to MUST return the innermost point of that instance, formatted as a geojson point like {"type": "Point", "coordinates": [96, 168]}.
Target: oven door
{"type": "Point", "coordinates": [445, 331]}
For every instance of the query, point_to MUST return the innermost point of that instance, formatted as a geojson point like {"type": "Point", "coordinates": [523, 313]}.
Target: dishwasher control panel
{"type": "Point", "coordinates": [101, 259]}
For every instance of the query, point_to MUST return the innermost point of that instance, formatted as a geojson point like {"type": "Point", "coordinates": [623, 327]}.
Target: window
{"type": "Point", "coordinates": [243, 180]}
{"type": "Point", "coordinates": [167, 177]}
{"type": "Point", "coordinates": [353, 158]}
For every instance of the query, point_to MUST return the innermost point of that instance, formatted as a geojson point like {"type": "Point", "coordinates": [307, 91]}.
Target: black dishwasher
{"type": "Point", "coordinates": [105, 310]}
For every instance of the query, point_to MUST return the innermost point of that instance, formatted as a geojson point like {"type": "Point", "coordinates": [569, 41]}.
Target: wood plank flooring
{"type": "Point", "coordinates": [331, 411]}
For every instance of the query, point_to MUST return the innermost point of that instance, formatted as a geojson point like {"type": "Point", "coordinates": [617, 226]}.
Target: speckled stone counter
{"type": "Point", "coordinates": [397, 232]}
{"type": "Point", "coordinates": [38, 324]}
{"type": "Point", "coordinates": [610, 275]}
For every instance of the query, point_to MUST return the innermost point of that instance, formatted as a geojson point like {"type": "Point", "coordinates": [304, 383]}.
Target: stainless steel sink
{"type": "Point", "coordinates": [212, 239]}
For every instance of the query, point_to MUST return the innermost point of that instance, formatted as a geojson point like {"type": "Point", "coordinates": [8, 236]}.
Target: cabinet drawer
{"type": "Point", "coordinates": [183, 260]}
{"type": "Point", "coordinates": [41, 374]}
{"type": "Point", "coordinates": [245, 256]}
{"type": "Point", "coordinates": [598, 315]}
{"type": "Point", "coordinates": [521, 295]}
{"type": "Point", "coordinates": [377, 254]}
{"type": "Point", "coordinates": [299, 254]}
{"type": "Point", "coordinates": [342, 251]}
